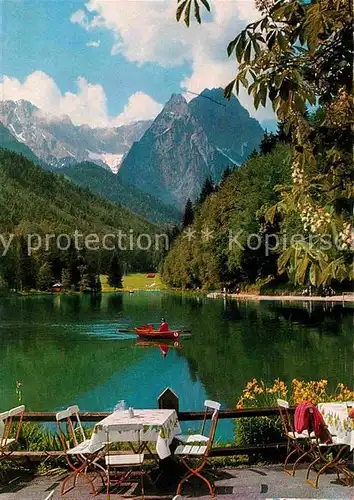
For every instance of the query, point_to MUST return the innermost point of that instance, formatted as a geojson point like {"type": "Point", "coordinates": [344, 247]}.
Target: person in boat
{"type": "Point", "coordinates": [163, 326]}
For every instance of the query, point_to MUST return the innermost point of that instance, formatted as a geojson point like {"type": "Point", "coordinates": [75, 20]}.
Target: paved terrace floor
{"type": "Point", "coordinates": [251, 483]}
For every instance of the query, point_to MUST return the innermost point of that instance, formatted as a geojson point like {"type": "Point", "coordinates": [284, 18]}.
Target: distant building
{"type": "Point", "coordinates": [57, 287]}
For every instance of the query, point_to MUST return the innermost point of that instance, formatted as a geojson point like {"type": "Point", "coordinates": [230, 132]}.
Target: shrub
{"type": "Point", "coordinates": [260, 395]}
{"type": "Point", "coordinates": [35, 437]}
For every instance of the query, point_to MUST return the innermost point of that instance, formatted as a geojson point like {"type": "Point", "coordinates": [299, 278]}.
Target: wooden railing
{"type": "Point", "coordinates": [183, 416]}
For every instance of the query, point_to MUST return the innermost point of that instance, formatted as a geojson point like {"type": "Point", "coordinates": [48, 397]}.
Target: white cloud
{"type": "Point", "coordinates": [88, 105]}
{"type": "Point", "coordinates": [147, 31]}
{"type": "Point", "coordinates": [80, 18]}
{"type": "Point", "coordinates": [38, 88]}
{"type": "Point", "coordinates": [94, 43]}
{"type": "Point", "coordinates": [140, 107]}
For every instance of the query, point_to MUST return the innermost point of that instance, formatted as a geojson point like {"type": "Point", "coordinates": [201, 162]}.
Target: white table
{"type": "Point", "coordinates": [336, 416]}
{"type": "Point", "coordinates": [159, 426]}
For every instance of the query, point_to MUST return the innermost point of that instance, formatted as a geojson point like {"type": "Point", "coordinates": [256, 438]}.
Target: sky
{"type": "Point", "coordinates": [111, 62]}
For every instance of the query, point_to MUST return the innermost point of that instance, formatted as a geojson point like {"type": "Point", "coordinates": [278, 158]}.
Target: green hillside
{"type": "Point", "coordinates": [109, 186]}
{"type": "Point", "coordinates": [46, 201]}
{"type": "Point", "coordinates": [234, 209]}
{"type": "Point", "coordinates": [36, 201]}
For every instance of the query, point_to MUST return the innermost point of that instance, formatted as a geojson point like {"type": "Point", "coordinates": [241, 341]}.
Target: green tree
{"type": "Point", "coordinates": [188, 214]}
{"type": "Point", "coordinates": [10, 268]}
{"type": "Point", "coordinates": [95, 283]}
{"type": "Point", "coordinates": [84, 282]}
{"type": "Point", "coordinates": [44, 277]}
{"type": "Point", "coordinates": [115, 274]}
{"type": "Point", "coordinates": [27, 266]}
{"type": "Point", "coordinates": [3, 285]}
{"type": "Point", "coordinates": [65, 278]}
{"type": "Point", "coordinates": [226, 174]}
{"type": "Point", "coordinates": [207, 189]}
{"type": "Point", "coordinates": [297, 55]}
{"type": "Point", "coordinates": [268, 143]}
{"type": "Point", "coordinates": [98, 284]}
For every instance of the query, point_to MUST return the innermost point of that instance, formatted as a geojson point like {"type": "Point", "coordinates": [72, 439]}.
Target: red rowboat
{"type": "Point", "coordinates": [148, 332]}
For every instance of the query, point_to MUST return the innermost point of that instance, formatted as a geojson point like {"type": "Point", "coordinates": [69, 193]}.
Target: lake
{"type": "Point", "coordinates": [65, 349]}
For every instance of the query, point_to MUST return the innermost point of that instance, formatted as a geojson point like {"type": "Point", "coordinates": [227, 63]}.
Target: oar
{"type": "Point", "coordinates": [119, 330]}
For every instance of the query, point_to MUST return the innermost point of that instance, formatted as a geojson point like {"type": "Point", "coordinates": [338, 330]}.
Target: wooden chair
{"type": "Point", "coordinates": [200, 438]}
{"type": "Point", "coordinates": [332, 455]}
{"type": "Point", "coordinates": [298, 444]}
{"type": "Point", "coordinates": [128, 463]}
{"type": "Point", "coordinates": [199, 454]}
{"type": "Point", "coordinates": [6, 430]}
{"type": "Point", "coordinates": [80, 454]}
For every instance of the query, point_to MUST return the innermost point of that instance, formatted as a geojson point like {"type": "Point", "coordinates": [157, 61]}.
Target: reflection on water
{"type": "Point", "coordinates": [65, 349]}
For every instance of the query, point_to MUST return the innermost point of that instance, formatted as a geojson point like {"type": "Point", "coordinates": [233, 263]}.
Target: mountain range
{"type": "Point", "coordinates": [167, 159]}
{"type": "Point", "coordinates": [101, 182]}
{"type": "Point", "coordinates": [187, 142]}
{"type": "Point", "coordinates": [58, 142]}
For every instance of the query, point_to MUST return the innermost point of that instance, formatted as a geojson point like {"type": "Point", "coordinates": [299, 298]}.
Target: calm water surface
{"type": "Point", "coordinates": [65, 350]}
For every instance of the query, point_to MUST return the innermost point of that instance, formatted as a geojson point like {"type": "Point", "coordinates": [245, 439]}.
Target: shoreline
{"type": "Point", "coordinates": [343, 298]}
{"type": "Point", "coordinates": [280, 298]}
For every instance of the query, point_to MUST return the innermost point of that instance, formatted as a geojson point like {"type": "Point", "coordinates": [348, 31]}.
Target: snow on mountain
{"type": "Point", "coordinates": [114, 161]}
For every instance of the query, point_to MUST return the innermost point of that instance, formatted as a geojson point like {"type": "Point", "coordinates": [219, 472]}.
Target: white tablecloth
{"type": "Point", "coordinates": [159, 426]}
{"type": "Point", "coordinates": [338, 422]}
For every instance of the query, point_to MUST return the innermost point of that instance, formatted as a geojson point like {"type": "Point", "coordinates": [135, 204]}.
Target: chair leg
{"type": "Point", "coordinates": [211, 489]}
{"type": "Point", "coordinates": [350, 476]}
{"type": "Point", "coordinates": [76, 477]}
{"type": "Point", "coordinates": [108, 485]}
{"type": "Point", "coordinates": [321, 471]}
{"type": "Point", "coordinates": [335, 463]}
{"type": "Point", "coordinates": [309, 469]}
{"type": "Point", "coordinates": [73, 475]}
{"type": "Point", "coordinates": [152, 483]}
{"type": "Point", "coordinates": [76, 471]}
{"type": "Point", "coordinates": [185, 478]}
{"type": "Point", "coordinates": [90, 481]}
{"type": "Point", "coordinates": [327, 465]}
{"type": "Point", "coordinates": [296, 463]}
{"type": "Point", "coordinates": [195, 472]}
{"type": "Point", "coordinates": [291, 473]}
{"type": "Point", "coordinates": [142, 486]}
{"type": "Point", "coordinates": [101, 472]}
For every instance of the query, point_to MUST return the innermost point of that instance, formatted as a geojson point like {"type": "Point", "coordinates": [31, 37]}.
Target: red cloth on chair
{"type": "Point", "coordinates": [303, 422]}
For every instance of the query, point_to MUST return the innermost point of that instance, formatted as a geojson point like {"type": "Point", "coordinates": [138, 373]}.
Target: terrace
{"type": "Point", "coordinates": [267, 482]}
{"type": "Point", "coordinates": [249, 480]}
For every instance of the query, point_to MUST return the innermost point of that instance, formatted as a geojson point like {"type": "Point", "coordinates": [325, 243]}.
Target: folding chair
{"type": "Point", "coordinates": [128, 462]}
{"type": "Point", "coordinates": [6, 430]}
{"type": "Point", "coordinates": [298, 444]}
{"type": "Point", "coordinates": [83, 455]}
{"type": "Point", "coordinates": [200, 438]}
{"type": "Point", "coordinates": [331, 455]}
{"type": "Point", "coordinates": [202, 453]}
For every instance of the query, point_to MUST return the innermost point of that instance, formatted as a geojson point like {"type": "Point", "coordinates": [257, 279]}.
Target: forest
{"type": "Point", "coordinates": [34, 201]}
{"type": "Point", "coordinates": [297, 57]}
